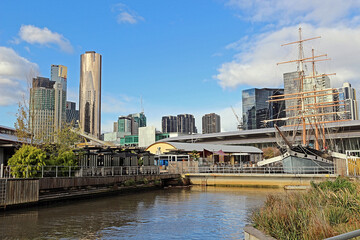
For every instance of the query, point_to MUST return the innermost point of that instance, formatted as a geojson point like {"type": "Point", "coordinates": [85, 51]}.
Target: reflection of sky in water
{"type": "Point", "coordinates": [196, 213]}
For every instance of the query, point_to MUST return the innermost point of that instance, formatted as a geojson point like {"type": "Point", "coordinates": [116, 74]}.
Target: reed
{"type": "Point", "coordinates": [329, 208]}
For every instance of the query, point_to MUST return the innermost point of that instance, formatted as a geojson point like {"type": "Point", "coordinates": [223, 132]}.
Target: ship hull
{"type": "Point", "coordinates": [304, 165]}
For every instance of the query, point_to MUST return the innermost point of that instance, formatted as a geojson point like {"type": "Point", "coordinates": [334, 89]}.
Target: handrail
{"type": "Point", "coordinates": [345, 236]}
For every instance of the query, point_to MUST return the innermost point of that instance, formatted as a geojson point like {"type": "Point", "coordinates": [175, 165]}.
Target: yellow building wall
{"type": "Point", "coordinates": [62, 71]}
{"type": "Point", "coordinates": [162, 147]}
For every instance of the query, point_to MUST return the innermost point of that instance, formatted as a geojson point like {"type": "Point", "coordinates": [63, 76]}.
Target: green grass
{"type": "Point", "coordinates": [327, 209]}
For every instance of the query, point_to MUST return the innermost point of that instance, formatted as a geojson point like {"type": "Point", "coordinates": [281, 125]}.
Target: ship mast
{"type": "Point", "coordinates": [304, 109]}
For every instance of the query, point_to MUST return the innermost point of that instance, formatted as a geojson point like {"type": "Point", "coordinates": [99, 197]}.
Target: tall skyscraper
{"type": "Point", "coordinates": [186, 124]}
{"type": "Point", "coordinates": [42, 107]}
{"type": "Point", "coordinates": [169, 124]}
{"type": "Point", "coordinates": [211, 123]}
{"type": "Point", "coordinates": [59, 76]}
{"type": "Point", "coordinates": [347, 96]}
{"type": "Point", "coordinates": [256, 108]}
{"type": "Point", "coordinates": [90, 93]}
{"type": "Point", "coordinates": [72, 115]}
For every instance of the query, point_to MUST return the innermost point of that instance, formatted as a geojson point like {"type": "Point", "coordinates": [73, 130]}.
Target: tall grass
{"type": "Point", "coordinates": [329, 208]}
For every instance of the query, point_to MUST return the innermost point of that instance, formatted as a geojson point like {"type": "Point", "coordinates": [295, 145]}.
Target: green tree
{"type": "Point", "coordinates": [27, 161]}
{"type": "Point", "coordinates": [66, 158]}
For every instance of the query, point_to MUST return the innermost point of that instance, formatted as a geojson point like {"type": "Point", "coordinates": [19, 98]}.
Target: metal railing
{"type": "Point", "coordinates": [261, 170]}
{"type": "Point", "coordinates": [76, 171]}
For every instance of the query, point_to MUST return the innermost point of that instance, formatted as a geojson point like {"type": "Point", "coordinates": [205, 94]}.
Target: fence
{"type": "Point", "coordinates": [261, 170]}
{"type": "Point", "coordinates": [75, 171]}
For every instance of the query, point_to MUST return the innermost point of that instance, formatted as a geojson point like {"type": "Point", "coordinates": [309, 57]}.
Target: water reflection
{"type": "Point", "coordinates": [175, 213]}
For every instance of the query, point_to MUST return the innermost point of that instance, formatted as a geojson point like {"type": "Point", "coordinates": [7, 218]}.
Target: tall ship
{"type": "Point", "coordinates": [310, 104]}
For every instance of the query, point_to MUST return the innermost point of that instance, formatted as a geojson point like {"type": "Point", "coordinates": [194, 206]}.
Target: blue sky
{"type": "Point", "coordinates": [179, 56]}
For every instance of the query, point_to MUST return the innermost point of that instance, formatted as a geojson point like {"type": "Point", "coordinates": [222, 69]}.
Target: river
{"type": "Point", "coordinates": [173, 213]}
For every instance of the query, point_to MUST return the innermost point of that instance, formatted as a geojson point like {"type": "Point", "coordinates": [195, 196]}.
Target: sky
{"type": "Point", "coordinates": [172, 57]}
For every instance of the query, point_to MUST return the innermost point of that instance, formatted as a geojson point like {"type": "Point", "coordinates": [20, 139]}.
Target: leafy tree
{"type": "Point", "coordinates": [27, 161]}
{"type": "Point", "coordinates": [195, 155]}
{"type": "Point", "coordinates": [270, 152]}
{"type": "Point", "coordinates": [66, 158]}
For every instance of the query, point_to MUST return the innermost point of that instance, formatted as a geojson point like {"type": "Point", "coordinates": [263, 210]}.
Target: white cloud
{"type": "Point", "coordinates": [15, 71]}
{"type": "Point", "coordinates": [126, 15]}
{"type": "Point", "coordinates": [44, 36]}
{"type": "Point", "coordinates": [120, 104]}
{"type": "Point", "coordinates": [256, 67]}
{"type": "Point", "coordinates": [285, 12]}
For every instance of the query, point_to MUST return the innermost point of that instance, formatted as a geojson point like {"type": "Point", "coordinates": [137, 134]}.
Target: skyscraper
{"type": "Point", "coordinates": [186, 124]}
{"type": "Point", "coordinates": [169, 124]}
{"type": "Point", "coordinates": [59, 76]}
{"type": "Point", "coordinates": [347, 96]}
{"type": "Point", "coordinates": [42, 107]}
{"type": "Point", "coordinates": [211, 123]}
{"type": "Point", "coordinates": [72, 115]}
{"type": "Point", "coordinates": [129, 125]}
{"type": "Point", "coordinates": [90, 93]}
{"type": "Point", "coordinates": [256, 108]}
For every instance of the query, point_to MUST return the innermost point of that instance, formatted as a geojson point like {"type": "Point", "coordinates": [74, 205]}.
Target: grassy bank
{"type": "Point", "coordinates": [327, 209]}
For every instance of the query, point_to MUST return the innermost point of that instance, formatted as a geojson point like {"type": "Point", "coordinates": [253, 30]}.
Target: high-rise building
{"type": "Point", "coordinates": [310, 84]}
{"type": "Point", "coordinates": [211, 123]}
{"type": "Point", "coordinates": [116, 126]}
{"type": "Point", "coordinates": [169, 124]}
{"type": "Point", "coordinates": [124, 125]}
{"type": "Point", "coordinates": [72, 115]}
{"type": "Point", "coordinates": [348, 108]}
{"type": "Point", "coordinates": [129, 125]}
{"type": "Point", "coordinates": [138, 120]}
{"type": "Point", "coordinates": [59, 75]}
{"type": "Point", "coordinates": [256, 108]}
{"type": "Point", "coordinates": [186, 124]}
{"type": "Point", "coordinates": [42, 107]}
{"type": "Point", "coordinates": [90, 93]}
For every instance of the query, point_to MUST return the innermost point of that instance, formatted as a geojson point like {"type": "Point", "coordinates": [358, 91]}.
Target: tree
{"type": "Point", "coordinates": [270, 152]}
{"type": "Point", "coordinates": [195, 155]}
{"type": "Point", "coordinates": [27, 161]}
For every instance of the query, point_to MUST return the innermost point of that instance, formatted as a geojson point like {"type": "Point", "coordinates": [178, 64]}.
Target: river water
{"type": "Point", "coordinates": [173, 213]}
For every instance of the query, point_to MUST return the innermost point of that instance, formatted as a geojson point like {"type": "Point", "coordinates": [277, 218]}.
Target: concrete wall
{"type": "Point", "coordinates": [147, 136]}
{"type": "Point", "coordinates": [256, 180]}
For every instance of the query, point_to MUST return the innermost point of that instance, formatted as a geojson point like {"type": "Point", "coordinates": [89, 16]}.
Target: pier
{"type": "Point", "coordinates": [29, 191]}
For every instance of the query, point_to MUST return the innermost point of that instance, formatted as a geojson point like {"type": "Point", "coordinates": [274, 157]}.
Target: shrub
{"type": "Point", "coordinates": [327, 209]}
{"type": "Point", "coordinates": [129, 182]}
{"type": "Point", "coordinates": [27, 162]}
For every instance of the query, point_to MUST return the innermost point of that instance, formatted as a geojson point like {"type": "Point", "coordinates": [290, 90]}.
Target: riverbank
{"type": "Point", "coordinates": [329, 208]}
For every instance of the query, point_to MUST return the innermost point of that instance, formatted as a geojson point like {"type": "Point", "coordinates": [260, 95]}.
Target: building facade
{"type": "Point", "coordinates": [348, 106]}
{"type": "Point", "coordinates": [169, 124]}
{"type": "Point", "coordinates": [186, 124]}
{"type": "Point", "coordinates": [256, 108]}
{"type": "Point", "coordinates": [211, 123]}
{"type": "Point", "coordinates": [42, 108]}
{"type": "Point", "coordinates": [59, 76]}
{"type": "Point", "coordinates": [72, 115]}
{"type": "Point", "coordinates": [90, 93]}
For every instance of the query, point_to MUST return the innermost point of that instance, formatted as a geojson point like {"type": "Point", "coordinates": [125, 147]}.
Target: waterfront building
{"type": "Point", "coordinates": [72, 115]}
{"type": "Point", "coordinates": [90, 93]}
{"type": "Point", "coordinates": [42, 107]}
{"type": "Point", "coordinates": [256, 108]}
{"type": "Point", "coordinates": [211, 123]}
{"type": "Point", "coordinates": [186, 124]}
{"type": "Point", "coordinates": [347, 96]}
{"type": "Point", "coordinates": [342, 136]}
{"type": "Point", "coordinates": [169, 124]}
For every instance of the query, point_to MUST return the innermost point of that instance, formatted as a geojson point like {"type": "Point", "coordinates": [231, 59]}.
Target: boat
{"type": "Point", "coordinates": [308, 108]}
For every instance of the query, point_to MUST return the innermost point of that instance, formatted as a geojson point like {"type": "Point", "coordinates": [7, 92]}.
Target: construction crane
{"type": "Point", "coordinates": [240, 124]}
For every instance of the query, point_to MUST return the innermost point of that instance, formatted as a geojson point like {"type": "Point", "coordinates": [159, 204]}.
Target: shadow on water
{"type": "Point", "coordinates": [174, 213]}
